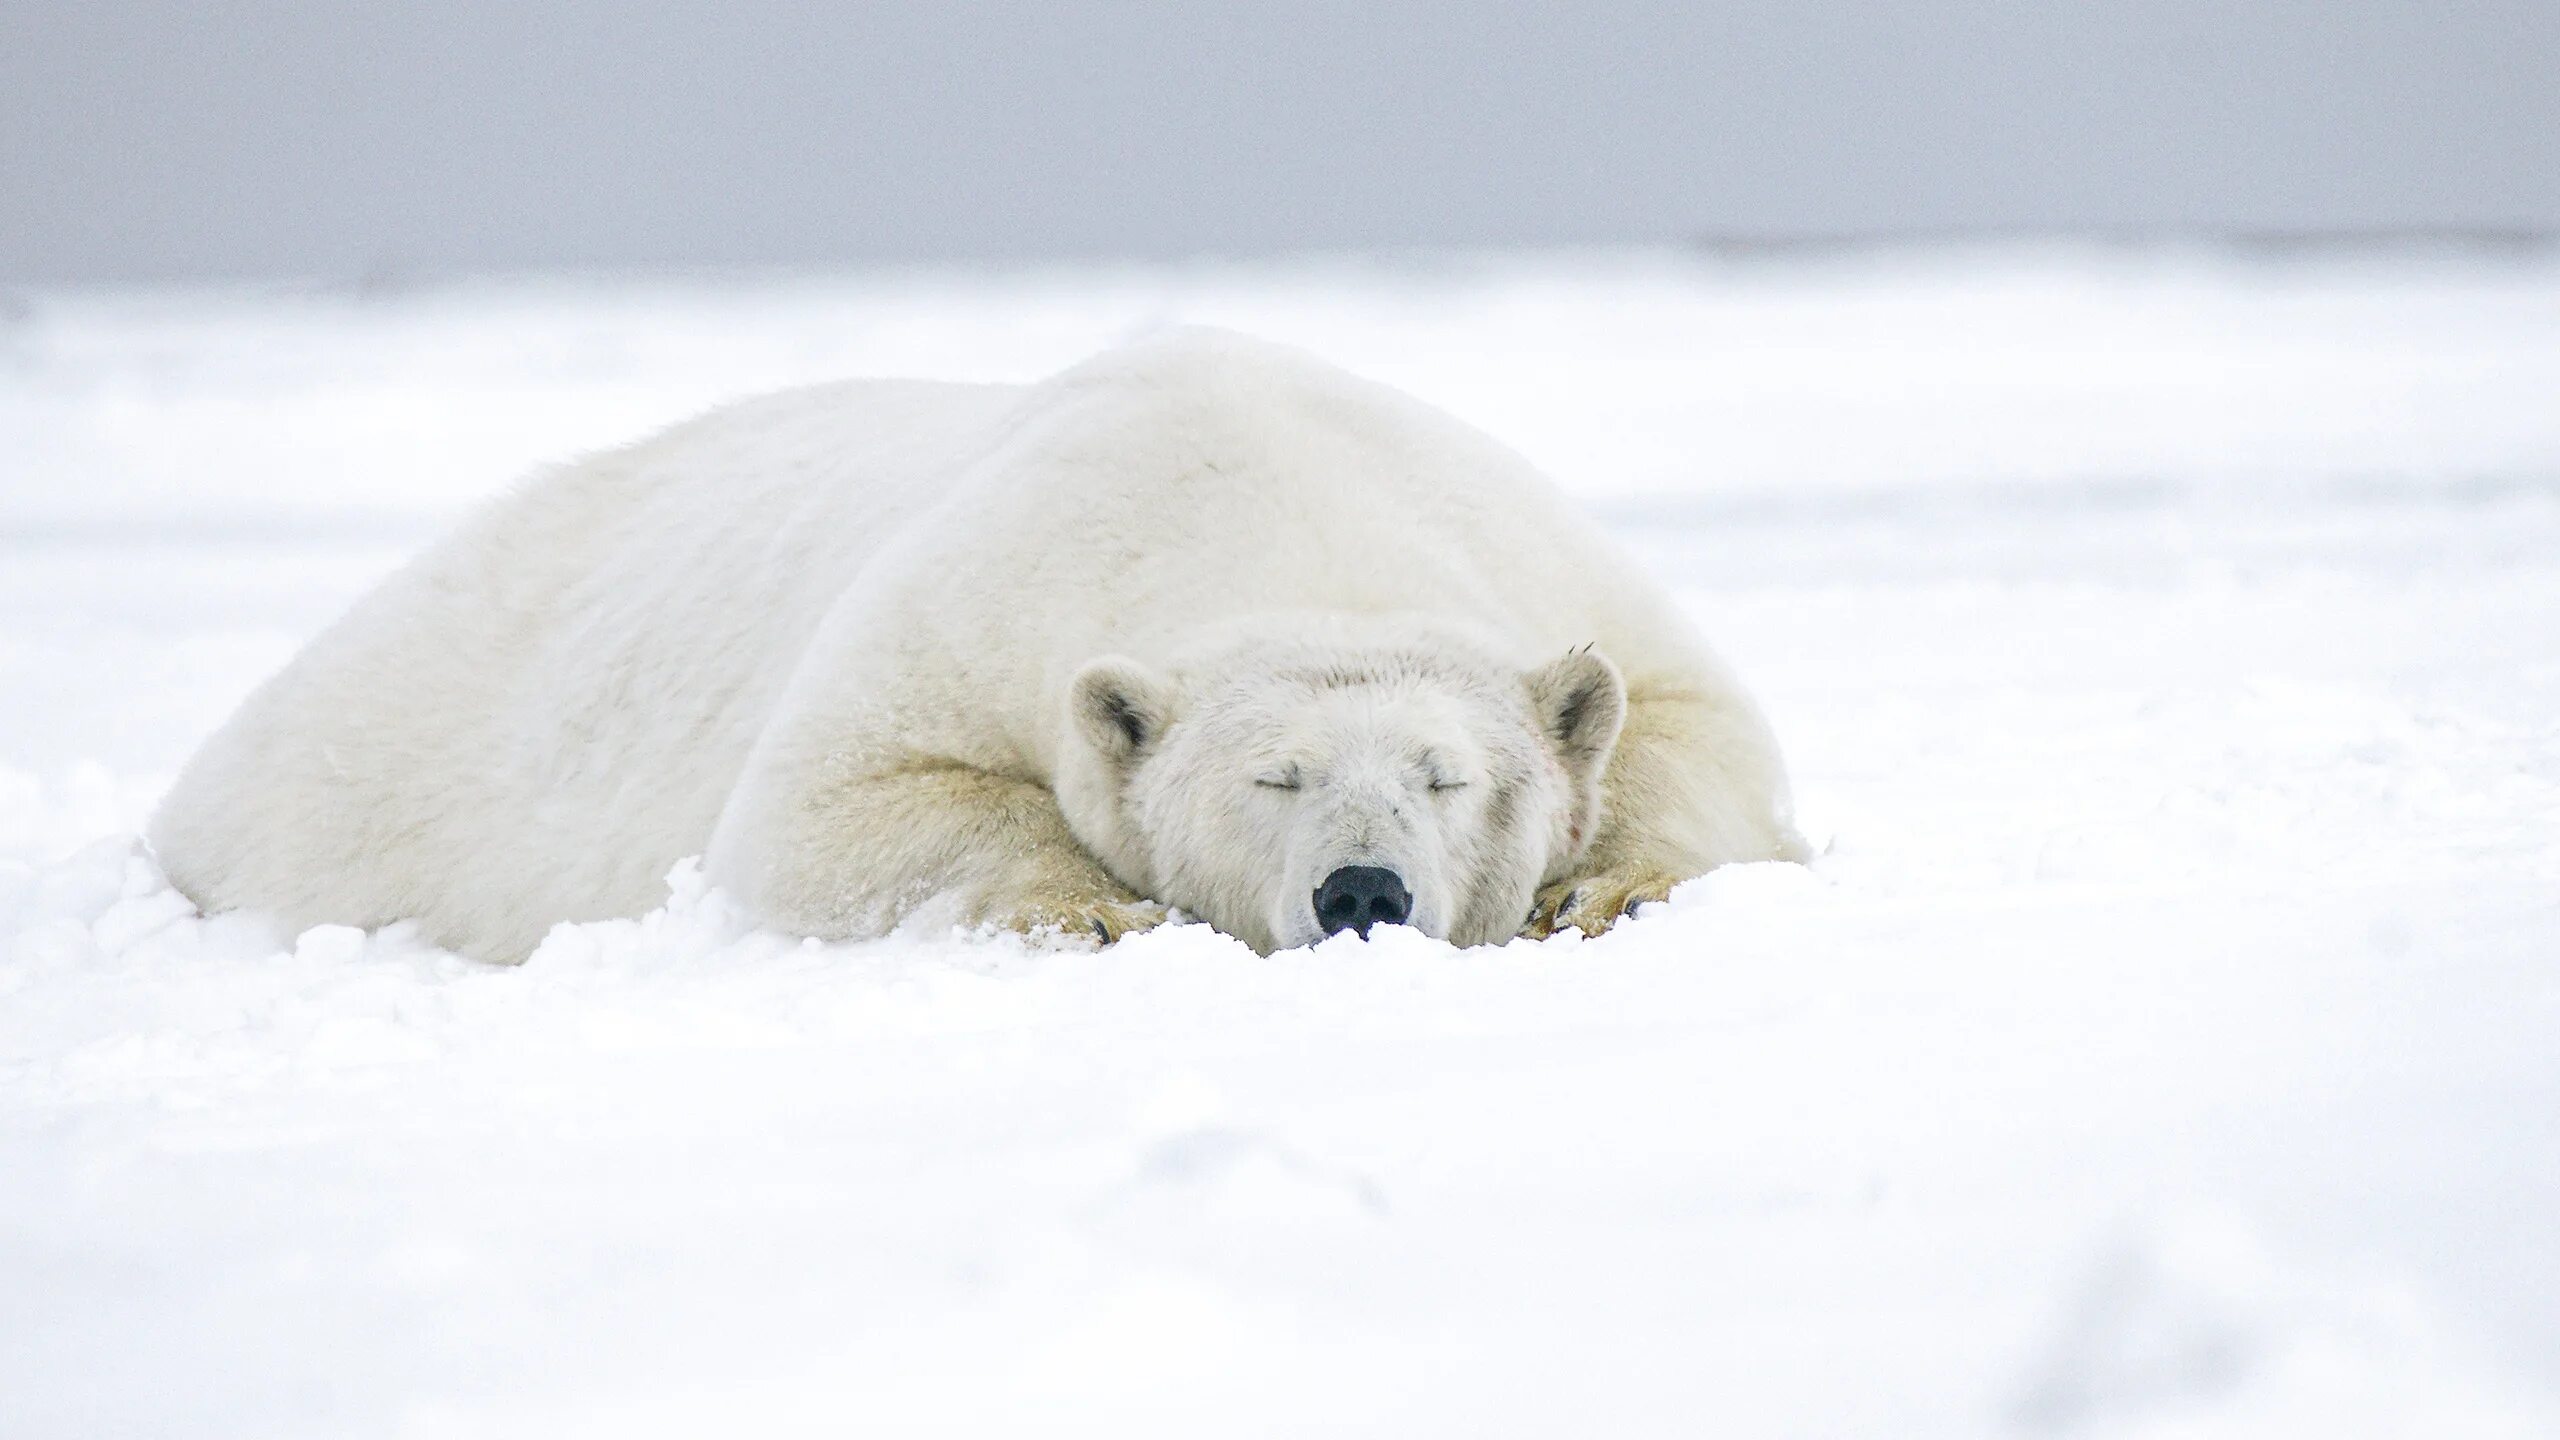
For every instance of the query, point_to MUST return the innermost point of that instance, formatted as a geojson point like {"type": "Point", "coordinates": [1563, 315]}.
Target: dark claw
{"type": "Point", "coordinates": [1101, 932]}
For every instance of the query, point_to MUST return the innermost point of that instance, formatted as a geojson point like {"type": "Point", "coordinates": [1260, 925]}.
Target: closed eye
{"type": "Point", "coordinates": [1278, 780]}
{"type": "Point", "coordinates": [1439, 784]}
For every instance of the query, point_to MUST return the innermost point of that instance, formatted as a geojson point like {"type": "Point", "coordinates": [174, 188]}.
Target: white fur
{"type": "Point", "coordinates": [991, 653]}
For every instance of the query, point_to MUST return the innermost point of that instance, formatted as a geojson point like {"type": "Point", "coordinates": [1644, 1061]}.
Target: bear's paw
{"type": "Point", "coordinates": [1100, 920]}
{"type": "Point", "coordinates": [1593, 903]}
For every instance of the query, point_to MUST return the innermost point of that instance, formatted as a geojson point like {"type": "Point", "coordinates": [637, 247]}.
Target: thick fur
{"type": "Point", "coordinates": [1190, 624]}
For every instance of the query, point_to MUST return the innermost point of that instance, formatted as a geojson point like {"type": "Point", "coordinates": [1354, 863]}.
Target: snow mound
{"type": "Point", "coordinates": [2195, 1332]}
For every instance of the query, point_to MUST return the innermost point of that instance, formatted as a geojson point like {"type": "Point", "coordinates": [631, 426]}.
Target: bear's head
{"type": "Point", "coordinates": [1284, 791]}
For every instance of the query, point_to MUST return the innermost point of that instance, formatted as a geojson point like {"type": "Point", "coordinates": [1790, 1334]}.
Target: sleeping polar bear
{"type": "Point", "coordinates": [1201, 623]}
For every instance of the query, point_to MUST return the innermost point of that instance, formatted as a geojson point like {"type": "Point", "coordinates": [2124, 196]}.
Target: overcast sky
{"type": "Point", "coordinates": [161, 139]}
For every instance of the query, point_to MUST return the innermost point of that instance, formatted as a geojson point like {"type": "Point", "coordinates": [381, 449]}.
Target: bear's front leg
{"type": "Point", "coordinates": [1684, 792]}
{"type": "Point", "coordinates": [853, 855]}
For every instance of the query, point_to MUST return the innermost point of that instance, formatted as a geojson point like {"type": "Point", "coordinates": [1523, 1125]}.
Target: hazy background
{"type": "Point", "coordinates": [165, 141]}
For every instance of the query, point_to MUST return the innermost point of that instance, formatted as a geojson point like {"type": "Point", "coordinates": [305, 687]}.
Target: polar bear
{"type": "Point", "coordinates": [1201, 624]}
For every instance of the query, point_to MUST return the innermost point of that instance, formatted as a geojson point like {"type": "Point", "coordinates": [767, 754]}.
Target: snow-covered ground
{"type": "Point", "coordinates": [2168, 1045]}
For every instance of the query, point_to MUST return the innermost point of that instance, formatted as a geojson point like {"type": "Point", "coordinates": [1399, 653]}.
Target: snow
{"type": "Point", "coordinates": [2168, 649]}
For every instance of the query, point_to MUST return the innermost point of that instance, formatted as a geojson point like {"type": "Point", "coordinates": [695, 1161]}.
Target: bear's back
{"type": "Point", "coordinates": [1200, 477]}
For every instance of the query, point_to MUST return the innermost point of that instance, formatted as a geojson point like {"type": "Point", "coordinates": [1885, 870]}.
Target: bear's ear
{"type": "Point", "coordinates": [1120, 706]}
{"type": "Point", "coordinates": [1580, 702]}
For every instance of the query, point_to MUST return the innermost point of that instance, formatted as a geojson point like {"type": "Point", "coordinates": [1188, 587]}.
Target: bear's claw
{"type": "Point", "coordinates": [1593, 903]}
{"type": "Point", "coordinates": [1105, 921]}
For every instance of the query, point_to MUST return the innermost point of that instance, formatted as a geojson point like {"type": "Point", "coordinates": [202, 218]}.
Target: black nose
{"type": "Point", "coordinates": [1356, 897]}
